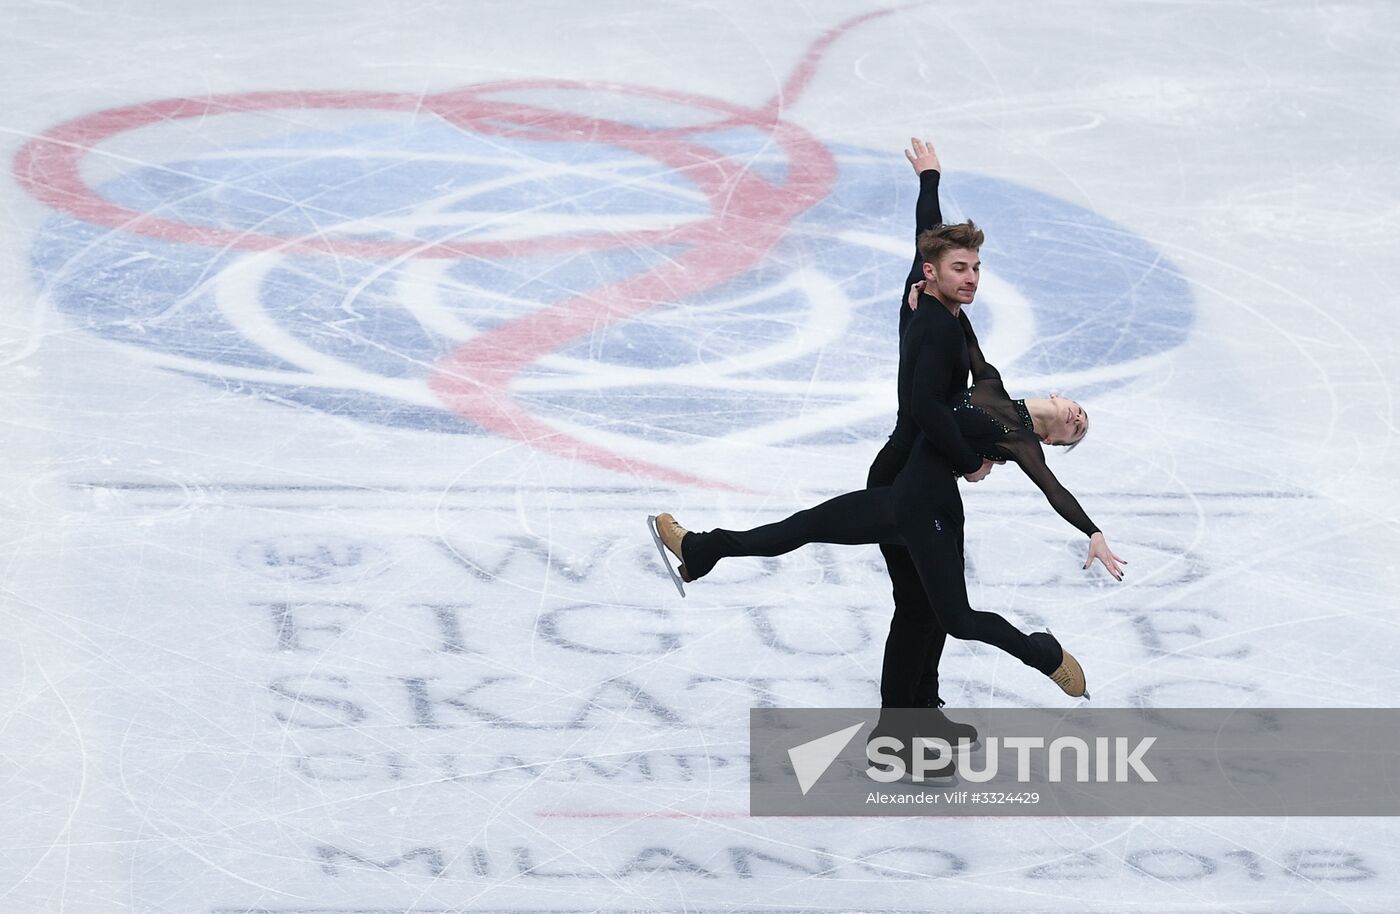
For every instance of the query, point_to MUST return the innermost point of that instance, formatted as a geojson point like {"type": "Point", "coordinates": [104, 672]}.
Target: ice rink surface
{"type": "Point", "coordinates": [347, 345]}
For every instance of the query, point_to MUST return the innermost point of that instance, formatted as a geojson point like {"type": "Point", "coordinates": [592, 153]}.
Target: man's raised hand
{"type": "Point", "coordinates": [922, 156]}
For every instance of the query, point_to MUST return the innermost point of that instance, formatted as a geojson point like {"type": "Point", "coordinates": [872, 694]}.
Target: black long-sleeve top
{"type": "Point", "coordinates": [927, 214]}
{"type": "Point", "coordinates": [933, 357]}
{"type": "Point", "coordinates": [999, 428]}
{"type": "Point", "coordinates": [933, 367]}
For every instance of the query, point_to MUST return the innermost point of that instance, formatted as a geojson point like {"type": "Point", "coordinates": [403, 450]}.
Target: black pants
{"type": "Point", "coordinates": [914, 646]}
{"type": "Point", "coordinates": [918, 521]}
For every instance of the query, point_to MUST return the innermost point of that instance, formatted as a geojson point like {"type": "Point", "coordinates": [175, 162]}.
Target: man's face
{"type": "Point", "coordinates": [954, 278]}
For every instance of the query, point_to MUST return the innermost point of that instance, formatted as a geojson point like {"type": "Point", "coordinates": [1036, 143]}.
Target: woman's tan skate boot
{"type": "Point", "coordinates": [1070, 677]}
{"type": "Point", "coordinates": [1068, 674]}
{"type": "Point", "coordinates": [667, 534]}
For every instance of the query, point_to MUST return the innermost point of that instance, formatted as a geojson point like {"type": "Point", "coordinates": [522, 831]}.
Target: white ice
{"type": "Point", "coordinates": [285, 633]}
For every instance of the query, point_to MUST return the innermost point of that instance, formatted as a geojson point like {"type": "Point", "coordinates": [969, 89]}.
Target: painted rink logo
{"type": "Point", "coordinates": [604, 272]}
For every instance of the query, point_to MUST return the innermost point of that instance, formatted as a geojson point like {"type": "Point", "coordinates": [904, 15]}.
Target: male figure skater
{"type": "Point", "coordinates": [914, 647]}
{"type": "Point", "coordinates": [912, 497]}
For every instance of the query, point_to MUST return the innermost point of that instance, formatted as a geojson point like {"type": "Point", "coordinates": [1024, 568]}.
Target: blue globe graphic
{"type": "Point", "coordinates": [800, 349]}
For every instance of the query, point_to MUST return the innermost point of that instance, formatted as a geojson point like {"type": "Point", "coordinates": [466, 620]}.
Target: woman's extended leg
{"type": "Point", "coordinates": [940, 568]}
{"type": "Point", "coordinates": [928, 528]}
{"type": "Point", "coordinates": [934, 549]}
{"type": "Point", "coordinates": [852, 519]}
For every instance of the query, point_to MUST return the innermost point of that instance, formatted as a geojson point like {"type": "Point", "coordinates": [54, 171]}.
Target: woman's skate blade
{"type": "Point", "coordinates": [665, 556]}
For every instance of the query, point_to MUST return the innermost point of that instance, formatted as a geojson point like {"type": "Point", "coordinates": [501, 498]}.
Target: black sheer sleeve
{"type": "Point", "coordinates": [932, 367]}
{"type": "Point", "coordinates": [981, 369]}
{"type": "Point", "coordinates": [1030, 456]}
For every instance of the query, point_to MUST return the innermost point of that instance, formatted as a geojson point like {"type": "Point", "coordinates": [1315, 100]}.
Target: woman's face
{"type": "Point", "coordinates": [1069, 424]}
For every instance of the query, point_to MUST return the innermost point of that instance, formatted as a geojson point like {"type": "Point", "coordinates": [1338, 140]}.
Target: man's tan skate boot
{"type": "Point", "coordinates": [667, 534]}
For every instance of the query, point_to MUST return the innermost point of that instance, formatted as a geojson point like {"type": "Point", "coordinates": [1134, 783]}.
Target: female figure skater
{"type": "Point", "coordinates": [911, 514]}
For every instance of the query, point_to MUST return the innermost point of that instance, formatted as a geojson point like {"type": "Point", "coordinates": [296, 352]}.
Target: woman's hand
{"type": "Point", "coordinates": [1098, 549]}
{"type": "Point", "coordinates": [981, 472]}
{"type": "Point", "coordinates": [914, 291]}
{"type": "Point", "coordinates": [922, 156]}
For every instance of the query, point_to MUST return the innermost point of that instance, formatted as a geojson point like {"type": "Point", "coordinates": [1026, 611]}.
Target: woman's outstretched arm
{"type": "Point", "coordinates": [1030, 457]}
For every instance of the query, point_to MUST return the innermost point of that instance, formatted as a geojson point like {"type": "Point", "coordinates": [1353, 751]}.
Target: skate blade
{"type": "Point", "coordinates": [948, 779]}
{"type": "Point", "coordinates": [665, 556]}
{"type": "Point", "coordinates": [969, 747]}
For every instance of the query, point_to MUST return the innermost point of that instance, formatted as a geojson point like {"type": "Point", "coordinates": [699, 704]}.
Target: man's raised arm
{"type": "Point", "coordinates": [927, 212]}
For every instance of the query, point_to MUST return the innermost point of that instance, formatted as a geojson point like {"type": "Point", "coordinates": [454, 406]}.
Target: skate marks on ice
{"type": "Point", "coordinates": [392, 698]}
{"type": "Point", "coordinates": [609, 273]}
{"type": "Point", "coordinates": [434, 708]}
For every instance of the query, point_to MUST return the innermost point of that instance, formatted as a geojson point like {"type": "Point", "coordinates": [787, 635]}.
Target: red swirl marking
{"type": "Point", "coordinates": [750, 215]}
{"type": "Point", "coordinates": [50, 168]}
